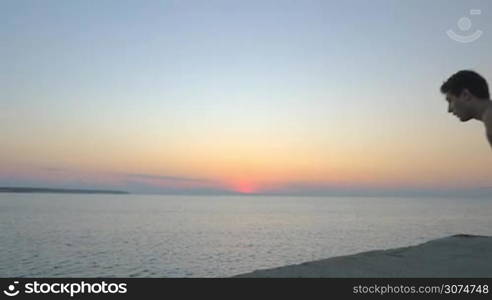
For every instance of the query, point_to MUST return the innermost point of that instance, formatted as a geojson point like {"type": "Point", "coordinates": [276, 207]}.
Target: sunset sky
{"type": "Point", "coordinates": [279, 97]}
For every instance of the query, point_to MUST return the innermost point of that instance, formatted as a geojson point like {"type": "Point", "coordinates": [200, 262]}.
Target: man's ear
{"type": "Point", "coordinates": [466, 95]}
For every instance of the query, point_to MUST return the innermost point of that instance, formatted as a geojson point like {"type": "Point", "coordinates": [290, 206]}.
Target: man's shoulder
{"type": "Point", "coordinates": [487, 118]}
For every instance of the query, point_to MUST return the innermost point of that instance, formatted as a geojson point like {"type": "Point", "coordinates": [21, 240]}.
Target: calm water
{"type": "Point", "coordinates": [192, 236]}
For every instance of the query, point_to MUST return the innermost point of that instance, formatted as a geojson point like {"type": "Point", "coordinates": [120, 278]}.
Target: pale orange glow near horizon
{"type": "Point", "coordinates": [252, 163]}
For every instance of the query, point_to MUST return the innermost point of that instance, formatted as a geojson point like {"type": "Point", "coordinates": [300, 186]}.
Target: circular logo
{"type": "Point", "coordinates": [464, 23]}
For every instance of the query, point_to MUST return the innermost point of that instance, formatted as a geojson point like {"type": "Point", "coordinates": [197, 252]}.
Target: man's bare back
{"type": "Point", "coordinates": [487, 120]}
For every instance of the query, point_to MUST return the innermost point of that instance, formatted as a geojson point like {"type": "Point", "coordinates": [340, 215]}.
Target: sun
{"type": "Point", "coordinates": [244, 187]}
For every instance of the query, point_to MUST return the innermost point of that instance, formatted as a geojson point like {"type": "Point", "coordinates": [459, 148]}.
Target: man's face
{"type": "Point", "coordinates": [460, 105]}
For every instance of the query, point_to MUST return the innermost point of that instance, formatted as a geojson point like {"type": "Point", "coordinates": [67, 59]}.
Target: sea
{"type": "Point", "coordinates": [99, 235]}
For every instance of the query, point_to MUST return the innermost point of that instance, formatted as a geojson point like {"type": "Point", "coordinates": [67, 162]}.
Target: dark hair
{"type": "Point", "coordinates": [470, 80]}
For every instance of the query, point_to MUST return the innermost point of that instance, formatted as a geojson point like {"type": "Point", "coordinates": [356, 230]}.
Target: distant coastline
{"type": "Point", "coordinates": [54, 190]}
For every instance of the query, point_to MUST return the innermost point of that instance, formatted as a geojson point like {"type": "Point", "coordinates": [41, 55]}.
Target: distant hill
{"type": "Point", "coordinates": [52, 190]}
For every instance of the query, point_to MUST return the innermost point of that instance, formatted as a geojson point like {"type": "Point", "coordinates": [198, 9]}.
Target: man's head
{"type": "Point", "coordinates": [462, 91]}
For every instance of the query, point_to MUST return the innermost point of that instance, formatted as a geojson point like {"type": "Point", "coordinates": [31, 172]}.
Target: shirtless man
{"type": "Point", "coordinates": [467, 94]}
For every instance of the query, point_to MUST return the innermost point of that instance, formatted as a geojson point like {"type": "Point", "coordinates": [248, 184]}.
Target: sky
{"type": "Point", "coordinates": [253, 97]}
